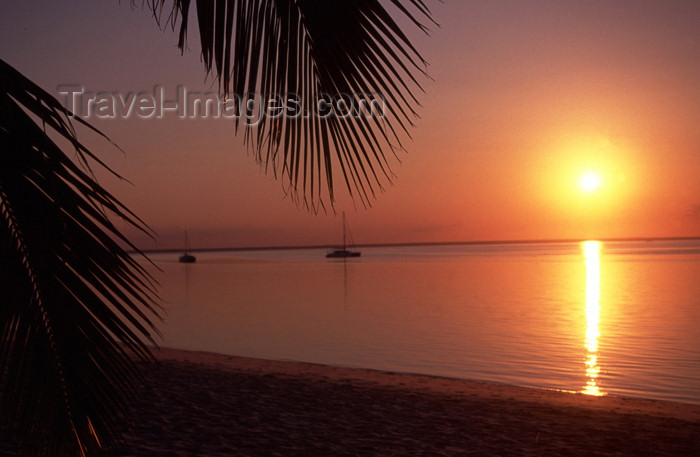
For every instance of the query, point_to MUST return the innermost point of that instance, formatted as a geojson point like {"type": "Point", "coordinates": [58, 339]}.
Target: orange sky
{"type": "Point", "coordinates": [527, 96]}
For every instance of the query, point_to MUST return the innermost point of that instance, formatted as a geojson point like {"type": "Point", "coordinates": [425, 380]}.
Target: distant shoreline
{"type": "Point", "coordinates": [408, 244]}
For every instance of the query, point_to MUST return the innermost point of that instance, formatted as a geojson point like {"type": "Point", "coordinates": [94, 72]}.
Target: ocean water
{"type": "Point", "coordinates": [618, 318]}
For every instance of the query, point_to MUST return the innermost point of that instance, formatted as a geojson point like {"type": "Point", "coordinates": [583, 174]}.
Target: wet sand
{"type": "Point", "coordinates": [204, 404]}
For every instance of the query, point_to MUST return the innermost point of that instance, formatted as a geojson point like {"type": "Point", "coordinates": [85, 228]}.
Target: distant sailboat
{"type": "Point", "coordinates": [187, 257]}
{"type": "Point", "coordinates": [345, 252]}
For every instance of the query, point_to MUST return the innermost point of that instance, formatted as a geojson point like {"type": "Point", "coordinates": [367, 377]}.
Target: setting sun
{"type": "Point", "coordinates": [590, 182]}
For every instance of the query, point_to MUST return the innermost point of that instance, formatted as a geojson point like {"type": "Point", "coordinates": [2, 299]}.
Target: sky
{"type": "Point", "coordinates": [526, 98]}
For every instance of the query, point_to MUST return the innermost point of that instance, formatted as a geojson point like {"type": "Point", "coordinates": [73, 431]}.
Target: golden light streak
{"type": "Point", "coordinates": [591, 253]}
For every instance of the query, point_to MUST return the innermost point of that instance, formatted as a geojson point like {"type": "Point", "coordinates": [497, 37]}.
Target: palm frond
{"type": "Point", "coordinates": [310, 49]}
{"type": "Point", "coordinates": [74, 305]}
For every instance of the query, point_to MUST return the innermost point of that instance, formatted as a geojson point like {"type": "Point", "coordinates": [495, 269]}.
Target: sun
{"type": "Point", "coordinates": [590, 182]}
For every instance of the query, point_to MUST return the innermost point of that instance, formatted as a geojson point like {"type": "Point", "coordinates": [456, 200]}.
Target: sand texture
{"type": "Point", "coordinates": [206, 404]}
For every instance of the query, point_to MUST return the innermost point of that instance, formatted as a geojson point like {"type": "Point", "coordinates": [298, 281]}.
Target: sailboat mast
{"type": "Point", "coordinates": [343, 230]}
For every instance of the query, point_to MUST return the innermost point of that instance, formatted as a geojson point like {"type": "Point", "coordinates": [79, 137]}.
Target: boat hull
{"type": "Point", "coordinates": [187, 258]}
{"type": "Point", "coordinates": [342, 253]}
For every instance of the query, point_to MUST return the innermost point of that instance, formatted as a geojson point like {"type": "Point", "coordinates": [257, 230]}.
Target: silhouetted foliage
{"type": "Point", "coordinates": [73, 304]}
{"type": "Point", "coordinates": [76, 309]}
{"type": "Point", "coordinates": [313, 50]}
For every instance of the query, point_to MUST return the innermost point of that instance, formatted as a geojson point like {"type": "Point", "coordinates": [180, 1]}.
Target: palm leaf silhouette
{"type": "Point", "coordinates": [74, 306]}
{"type": "Point", "coordinates": [315, 49]}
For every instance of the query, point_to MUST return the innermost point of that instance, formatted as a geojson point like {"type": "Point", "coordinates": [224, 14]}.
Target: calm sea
{"type": "Point", "coordinates": [618, 318]}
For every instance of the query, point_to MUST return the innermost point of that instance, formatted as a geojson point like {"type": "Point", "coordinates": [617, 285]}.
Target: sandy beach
{"type": "Point", "coordinates": [205, 404]}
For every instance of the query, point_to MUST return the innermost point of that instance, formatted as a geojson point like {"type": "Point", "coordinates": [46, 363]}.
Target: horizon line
{"type": "Point", "coordinates": [421, 243]}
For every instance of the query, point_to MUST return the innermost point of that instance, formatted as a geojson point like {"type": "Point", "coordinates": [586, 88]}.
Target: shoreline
{"type": "Point", "coordinates": [432, 383]}
{"type": "Point", "coordinates": [207, 404]}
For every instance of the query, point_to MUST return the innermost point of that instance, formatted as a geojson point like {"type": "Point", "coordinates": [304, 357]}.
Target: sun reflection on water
{"type": "Point", "coordinates": [591, 253]}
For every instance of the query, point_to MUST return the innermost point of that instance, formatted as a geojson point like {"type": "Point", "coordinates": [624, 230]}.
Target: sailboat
{"type": "Point", "coordinates": [187, 257]}
{"type": "Point", "coordinates": [344, 252]}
